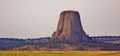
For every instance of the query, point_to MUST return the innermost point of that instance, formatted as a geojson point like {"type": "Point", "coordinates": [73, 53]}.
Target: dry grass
{"type": "Point", "coordinates": [59, 53]}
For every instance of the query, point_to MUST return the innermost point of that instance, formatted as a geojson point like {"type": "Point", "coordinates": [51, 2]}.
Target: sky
{"type": "Point", "coordinates": [39, 18]}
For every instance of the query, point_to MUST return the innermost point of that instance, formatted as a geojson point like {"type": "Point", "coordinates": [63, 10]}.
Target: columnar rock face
{"type": "Point", "coordinates": [70, 27]}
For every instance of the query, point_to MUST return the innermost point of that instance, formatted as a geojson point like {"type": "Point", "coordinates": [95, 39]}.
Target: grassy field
{"type": "Point", "coordinates": [59, 53]}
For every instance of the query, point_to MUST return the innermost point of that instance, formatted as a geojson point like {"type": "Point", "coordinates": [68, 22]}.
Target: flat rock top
{"type": "Point", "coordinates": [70, 11]}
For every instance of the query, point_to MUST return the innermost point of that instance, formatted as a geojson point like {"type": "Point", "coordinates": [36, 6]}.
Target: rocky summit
{"type": "Point", "coordinates": [70, 27]}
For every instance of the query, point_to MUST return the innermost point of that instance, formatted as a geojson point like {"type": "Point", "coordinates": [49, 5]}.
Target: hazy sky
{"type": "Point", "coordinates": [39, 18]}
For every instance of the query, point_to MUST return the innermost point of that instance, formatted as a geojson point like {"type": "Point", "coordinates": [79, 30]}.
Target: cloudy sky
{"type": "Point", "coordinates": [39, 18]}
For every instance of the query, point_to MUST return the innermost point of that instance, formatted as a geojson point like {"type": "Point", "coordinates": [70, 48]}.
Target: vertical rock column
{"type": "Point", "coordinates": [70, 27]}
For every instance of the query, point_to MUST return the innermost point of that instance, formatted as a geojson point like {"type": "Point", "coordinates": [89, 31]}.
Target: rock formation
{"type": "Point", "coordinates": [70, 27]}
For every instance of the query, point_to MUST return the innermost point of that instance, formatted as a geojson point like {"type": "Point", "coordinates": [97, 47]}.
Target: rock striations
{"type": "Point", "coordinates": [70, 28]}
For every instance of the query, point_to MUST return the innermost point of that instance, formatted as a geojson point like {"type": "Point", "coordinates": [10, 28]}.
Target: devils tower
{"type": "Point", "coordinates": [70, 27]}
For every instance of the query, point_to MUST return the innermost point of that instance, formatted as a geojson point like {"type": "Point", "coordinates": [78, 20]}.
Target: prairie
{"type": "Point", "coordinates": [59, 53]}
